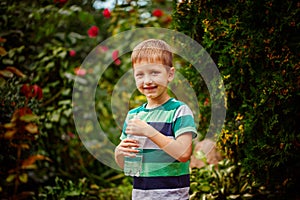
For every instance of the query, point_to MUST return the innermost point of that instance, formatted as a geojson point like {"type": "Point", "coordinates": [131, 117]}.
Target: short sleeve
{"type": "Point", "coordinates": [123, 134]}
{"type": "Point", "coordinates": [184, 121]}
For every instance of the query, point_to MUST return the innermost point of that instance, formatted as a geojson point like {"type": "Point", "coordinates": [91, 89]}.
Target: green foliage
{"type": "Point", "coordinates": [36, 39]}
{"type": "Point", "coordinates": [83, 189]}
{"type": "Point", "coordinates": [64, 190]}
{"type": "Point", "coordinates": [44, 43]}
{"type": "Point", "coordinates": [256, 47]}
{"type": "Point", "coordinates": [137, 13]}
{"type": "Point", "coordinates": [19, 130]}
{"type": "Point", "coordinates": [226, 180]}
{"type": "Point", "coordinates": [203, 97]}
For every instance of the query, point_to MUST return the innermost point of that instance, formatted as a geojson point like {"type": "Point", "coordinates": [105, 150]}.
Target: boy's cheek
{"type": "Point", "coordinates": [160, 81]}
{"type": "Point", "coordinates": [138, 85]}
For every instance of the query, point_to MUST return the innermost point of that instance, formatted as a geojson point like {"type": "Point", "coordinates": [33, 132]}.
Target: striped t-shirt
{"type": "Point", "coordinates": [162, 176]}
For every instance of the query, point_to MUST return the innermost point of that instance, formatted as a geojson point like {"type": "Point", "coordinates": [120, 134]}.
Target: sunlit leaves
{"type": "Point", "coordinates": [29, 163]}
{"type": "Point", "coordinates": [255, 47]}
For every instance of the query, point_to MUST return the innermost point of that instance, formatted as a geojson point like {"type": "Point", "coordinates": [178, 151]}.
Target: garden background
{"type": "Point", "coordinates": [255, 45]}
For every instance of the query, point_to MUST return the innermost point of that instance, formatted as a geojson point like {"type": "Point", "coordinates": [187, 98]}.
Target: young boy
{"type": "Point", "coordinates": [167, 123]}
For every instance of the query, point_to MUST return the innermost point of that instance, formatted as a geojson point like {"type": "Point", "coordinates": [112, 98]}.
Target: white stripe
{"type": "Point", "coordinates": [151, 145]}
{"type": "Point", "coordinates": [161, 194]}
{"type": "Point", "coordinates": [183, 111]}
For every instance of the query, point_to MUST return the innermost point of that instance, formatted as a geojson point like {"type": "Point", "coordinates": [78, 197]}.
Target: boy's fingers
{"type": "Point", "coordinates": [130, 143]}
{"type": "Point", "coordinates": [128, 150]}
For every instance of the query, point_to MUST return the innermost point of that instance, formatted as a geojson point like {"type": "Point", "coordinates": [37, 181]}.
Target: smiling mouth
{"type": "Point", "coordinates": [150, 87]}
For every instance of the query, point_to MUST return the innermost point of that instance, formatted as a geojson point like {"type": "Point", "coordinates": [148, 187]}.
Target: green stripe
{"type": "Point", "coordinates": [158, 115]}
{"type": "Point", "coordinates": [165, 169]}
{"type": "Point", "coordinates": [187, 130]}
{"type": "Point", "coordinates": [172, 104]}
{"type": "Point", "coordinates": [183, 121]}
{"type": "Point", "coordinates": [157, 156]}
{"type": "Point", "coordinates": [163, 113]}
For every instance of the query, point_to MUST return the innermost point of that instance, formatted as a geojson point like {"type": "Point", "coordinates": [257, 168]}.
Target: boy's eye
{"type": "Point", "coordinates": [155, 72]}
{"type": "Point", "coordinates": [139, 75]}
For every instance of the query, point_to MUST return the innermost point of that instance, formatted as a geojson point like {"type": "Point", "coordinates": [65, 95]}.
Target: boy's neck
{"type": "Point", "coordinates": [153, 103]}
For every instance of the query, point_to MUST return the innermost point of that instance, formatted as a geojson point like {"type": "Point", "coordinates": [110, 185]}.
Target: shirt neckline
{"type": "Point", "coordinates": [147, 109]}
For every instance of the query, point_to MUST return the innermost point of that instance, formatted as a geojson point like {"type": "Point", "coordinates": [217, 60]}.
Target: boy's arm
{"type": "Point", "coordinates": [180, 148]}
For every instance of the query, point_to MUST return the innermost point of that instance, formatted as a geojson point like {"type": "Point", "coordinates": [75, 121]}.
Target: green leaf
{"type": "Point", "coordinates": [9, 125]}
{"type": "Point", "coordinates": [50, 65]}
{"type": "Point", "coordinates": [204, 188]}
{"type": "Point", "coordinates": [62, 54]}
{"type": "Point", "coordinates": [55, 116]}
{"type": "Point", "coordinates": [29, 118]}
{"type": "Point", "coordinates": [75, 8]}
{"type": "Point", "coordinates": [10, 178]}
{"type": "Point", "coordinates": [2, 81]}
{"type": "Point", "coordinates": [85, 17]}
{"type": "Point", "coordinates": [23, 178]}
{"type": "Point", "coordinates": [65, 102]}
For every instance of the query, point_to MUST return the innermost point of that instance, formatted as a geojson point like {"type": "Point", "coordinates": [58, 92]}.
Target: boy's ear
{"type": "Point", "coordinates": [171, 74]}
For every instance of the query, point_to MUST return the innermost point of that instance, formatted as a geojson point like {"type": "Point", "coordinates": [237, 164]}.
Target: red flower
{"type": "Point", "coordinates": [157, 13]}
{"type": "Point", "coordinates": [31, 91]}
{"type": "Point", "coordinates": [115, 55]}
{"type": "Point", "coordinates": [25, 89]}
{"type": "Point", "coordinates": [72, 53]}
{"type": "Point", "coordinates": [93, 31]}
{"type": "Point", "coordinates": [37, 92]}
{"type": "Point", "coordinates": [117, 62]}
{"type": "Point", "coordinates": [106, 13]}
{"type": "Point", "coordinates": [206, 102]}
{"type": "Point", "coordinates": [79, 71]}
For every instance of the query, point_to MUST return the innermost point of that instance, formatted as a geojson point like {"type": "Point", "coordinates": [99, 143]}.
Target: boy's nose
{"type": "Point", "coordinates": [147, 80]}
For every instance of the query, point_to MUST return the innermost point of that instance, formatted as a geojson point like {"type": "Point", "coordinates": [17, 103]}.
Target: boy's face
{"type": "Point", "coordinates": [152, 79]}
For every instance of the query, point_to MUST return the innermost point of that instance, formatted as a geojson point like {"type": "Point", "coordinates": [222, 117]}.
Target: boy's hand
{"type": "Point", "coordinates": [127, 147]}
{"type": "Point", "coordinates": [141, 128]}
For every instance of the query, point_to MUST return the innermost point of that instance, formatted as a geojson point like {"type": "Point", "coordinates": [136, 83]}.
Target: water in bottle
{"type": "Point", "coordinates": [133, 165]}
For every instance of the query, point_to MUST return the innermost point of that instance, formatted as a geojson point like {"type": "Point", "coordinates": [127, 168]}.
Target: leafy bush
{"type": "Point", "coordinates": [41, 43]}
{"type": "Point", "coordinates": [46, 42]}
{"type": "Point", "coordinates": [223, 181]}
{"type": "Point", "coordinates": [19, 131]}
{"type": "Point", "coordinates": [84, 189]}
{"type": "Point", "coordinates": [256, 48]}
